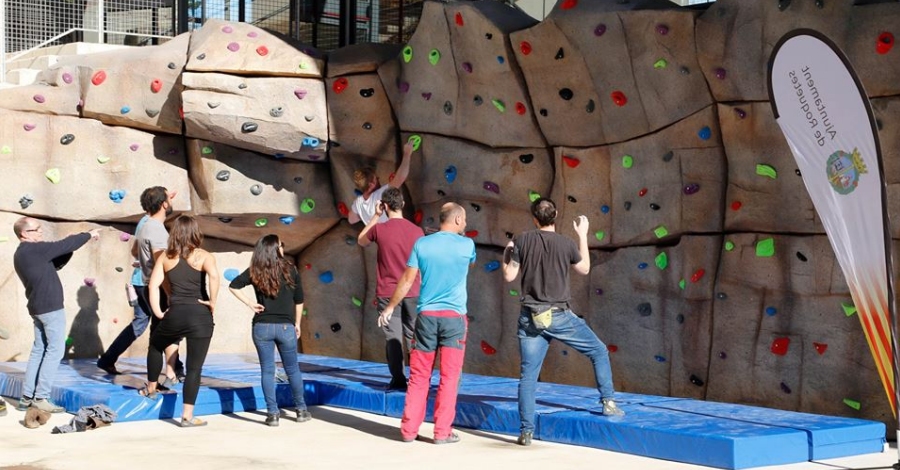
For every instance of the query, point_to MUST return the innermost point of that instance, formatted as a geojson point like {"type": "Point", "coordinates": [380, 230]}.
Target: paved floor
{"type": "Point", "coordinates": [335, 439]}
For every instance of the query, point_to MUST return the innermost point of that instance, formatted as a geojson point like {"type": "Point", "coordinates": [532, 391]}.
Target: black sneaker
{"type": "Point", "coordinates": [303, 416]}
{"type": "Point", "coordinates": [525, 438]}
{"type": "Point", "coordinates": [109, 369]}
{"type": "Point", "coordinates": [272, 420]}
{"type": "Point", "coordinates": [397, 385]}
{"type": "Point", "coordinates": [24, 403]}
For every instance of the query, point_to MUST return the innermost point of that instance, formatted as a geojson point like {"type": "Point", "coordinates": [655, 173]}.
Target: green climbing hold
{"type": "Point", "coordinates": [681, 284]}
{"type": "Point", "coordinates": [599, 234]}
{"type": "Point", "coordinates": [533, 195]}
{"type": "Point", "coordinates": [852, 404]}
{"type": "Point", "coordinates": [849, 309]}
{"type": "Point", "coordinates": [261, 222]}
{"type": "Point", "coordinates": [627, 161]}
{"type": "Point", "coordinates": [434, 56]}
{"type": "Point", "coordinates": [499, 105]}
{"type": "Point", "coordinates": [662, 260]}
{"type": "Point", "coordinates": [407, 54]}
{"type": "Point", "coordinates": [307, 205]}
{"type": "Point", "coordinates": [303, 66]}
{"type": "Point", "coordinates": [356, 301]}
{"type": "Point", "coordinates": [53, 175]}
{"type": "Point", "coordinates": [729, 245]}
{"type": "Point", "coordinates": [513, 292]}
{"type": "Point", "coordinates": [416, 140]}
{"type": "Point", "coordinates": [661, 231]}
{"type": "Point", "coordinates": [765, 248]}
{"type": "Point", "coordinates": [103, 160]}
{"type": "Point", "coordinates": [766, 170]}
{"type": "Point", "coordinates": [69, 342]}
{"type": "Point", "coordinates": [206, 150]}
{"type": "Point", "coordinates": [305, 311]}
{"type": "Point", "coordinates": [660, 64]}
{"type": "Point", "coordinates": [6, 149]}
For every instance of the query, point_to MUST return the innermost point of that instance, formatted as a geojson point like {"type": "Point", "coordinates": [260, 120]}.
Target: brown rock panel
{"type": "Point", "coordinates": [285, 117]}
{"type": "Point", "coordinates": [94, 163]}
{"type": "Point", "coordinates": [755, 201]}
{"type": "Point", "coordinates": [56, 91]}
{"type": "Point", "coordinates": [242, 195]}
{"type": "Point", "coordinates": [492, 345]}
{"type": "Point", "coordinates": [360, 58]}
{"type": "Point", "coordinates": [343, 164]}
{"type": "Point", "coordinates": [887, 118]}
{"type": "Point", "coordinates": [245, 49]}
{"type": "Point", "coordinates": [360, 115]}
{"type": "Point", "coordinates": [877, 72]}
{"type": "Point", "coordinates": [233, 319]}
{"type": "Point", "coordinates": [137, 87]}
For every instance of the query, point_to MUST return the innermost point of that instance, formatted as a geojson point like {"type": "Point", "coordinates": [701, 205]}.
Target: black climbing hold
{"type": "Point", "coordinates": [367, 126]}
{"type": "Point", "coordinates": [802, 257]}
{"type": "Point", "coordinates": [309, 118]}
{"type": "Point", "coordinates": [276, 112]}
{"type": "Point", "coordinates": [25, 201]}
{"type": "Point", "coordinates": [783, 4]}
{"type": "Point", "coordinates": [645, 309]}
{"type": "Point", "coordinates": [668, 156]}
{"type": "Point", "coordinates": [172, 65]}
{"type": "Point", "coordinates": [476, 207]}
{"type": "Point", "coordinates": [66, 139]}
{"type": "Point", "coordinates": [441, 193]}
{"type": "Point", "coordinates": [627, 205]}
{"type": "Point", "coordinates": [654, 206]}
{"type": "Point", "coordinates": [509, 235]}
{"type": "Point", "coordinates": [721, 296]}
{"type": "Point", "coordinates": [526, 158]}
{"type": "Point", "coordinates": [448, 108]}
{"type": "Point", "coordinates": [543, 112]}
{"type": "Point", "coordinates": [119, 269]}
{"type": "Point", "coordinates": [696, 380]}
{"type": "Point", "coordinates": [878, 124]}
{"type": "Point", "coordinates": [820, 4]}
{"type": "Point", "coordinates": [478, 100]}
{"type": "Point", "coordinates": [201, 56]}
{"type": "Point", "coordinates": [367, 92]}
{"type": "Point", "coordinates": [785, 388]}
{"type": "Point", "coordinates": [488, 36]}
{"type": "Point", "coordinates": [335, 327]}
{"type": "Point", "coordinates": [225, 220]}
{"type": "Point", "coordinates": [298, 179]}
{"type": "Point", "coordinates": [590, 106]}
{"type": "Point", "coordinates": [560, 54]}
{"type": "Point", "coordinates": [566, 94]}
{"type": "Point", "coordinates": [685, 71]}
{"type": "Point", "coordinates": [249, 127]}
{"type": "Point", "coordinates": [679, 318]}
{"type": "Point", "coordinates": [797, 172]}
{"type": "Point", "coordinates": [571, 199]}
{"type": "Point", "coordinates": [256, 190]}
{"type": "Point", "coordinates": [350, 240]}
{"type": "Point", "coordinates": [223, 175]}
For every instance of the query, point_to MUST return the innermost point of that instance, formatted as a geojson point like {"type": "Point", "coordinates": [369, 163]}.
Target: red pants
{"type": "Point", "coordinates": [444, 330]}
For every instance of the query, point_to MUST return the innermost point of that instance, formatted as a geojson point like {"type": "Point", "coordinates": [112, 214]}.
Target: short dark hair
{"type": "Point", "coordinates": [544, 210]}
{"type": "Point", "coordinates": [153, 198]}
{"type": "Point", "coordinates": [392, 198]}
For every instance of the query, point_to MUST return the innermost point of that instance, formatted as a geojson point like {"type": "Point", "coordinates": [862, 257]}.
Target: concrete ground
{"type": "Point", "coordinates": [335, 439]}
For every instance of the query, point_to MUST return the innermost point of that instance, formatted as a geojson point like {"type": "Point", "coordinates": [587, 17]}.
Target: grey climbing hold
{"type": "Point", "coordinates": [668, 156]}
{"type": "Point", "coordinates": [26, 201]}
{"type": "Point", "coordinates": [172, 65]}
{"type": "Point", "coordinates": [213, 104]}
{"type": "Point", "coordinates": [298, 179]}
{"type": "Point", "coordinates": [242, 86]}
{"type": "Point", "coordinates": [448, 108]}
{"type": "Point", "coordinates": [249, 127]}
{"type": "Point", "coordinates": [223, 175]}
{"type": "Point", "coordinates": [309, 118]}
{"type": "Point", "coordinates": [645, 309]}
{"type": "Point", "coordinates": [276, 112]}
{"type": "Point", "coordinates": [67, 139]}
{"type": "Point", "coordinates": [256, 190]}
{"type": "Point", "coordinates": [201, 56]}
{"type": "Point", "coordinates": [685, 71]}
{"type": "Point", "coordinates": [152, 112]}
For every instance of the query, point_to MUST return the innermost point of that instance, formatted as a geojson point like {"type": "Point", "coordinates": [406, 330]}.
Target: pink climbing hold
{"type": "Point", "coordinates": [98, 78]}
{"type": "Point", "coordinates": [570, 161]}
{"type": "Point", "coordinates": [720, 73]}
{"type": "Point", "coordinates": [234, 47]}
{"type": "Point", "coordinates": [252, 34]}
{"type": "Point", "coordinates": [662, 29]}
{"type": "Point", "coordinates": [300, 93]}
{"type": "Point", "coordinates": [619, 98]}
{"type": "Point", "coordinates": [403, 86]}
{"type": "Point", "coordinates": [134, 147]}
{"type": "Point", "coordinates": [156, 85]}
{"type": "Point", "coordinates": [262, 51]}
{"type": "Point", "coordinates": [38, 98]}
{"type": "Point", "coordinates": [89, 281]}
{"type": "Point", "coordinates": [67, 77]}
{"type": "Point", "coordinates": [459, 19]}
{"type": "Point", "coordinates": [340, 85]}
{"type": "Point", "coordinates": [28, 127]}
{"type": "Point", "coordinates": [124, 236]}
{"type": "Point", "coordinates": [227, 29]}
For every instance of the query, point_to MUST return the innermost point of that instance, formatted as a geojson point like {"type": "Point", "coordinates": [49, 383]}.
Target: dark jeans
{"type": "Point", "coordinates": [266, 337]}
{"type": "Point", "coordinates": [399, 330]}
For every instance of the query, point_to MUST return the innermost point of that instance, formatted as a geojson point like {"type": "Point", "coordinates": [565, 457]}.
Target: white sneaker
{"type": "Point", "coordinates": [611, 409]}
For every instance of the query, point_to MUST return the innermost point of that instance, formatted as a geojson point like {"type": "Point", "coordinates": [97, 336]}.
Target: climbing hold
{"type": "Point", "coordinates": [116, 195]}
{"type": "Point", "coordinates": [172, 66]}
{"type": "Point", "coordinates": [478, 101]}
{"type": "Point", "coordinates": [705, 133]}
{"type": "Point", "coordinates": [367, 92]}
{"type": "Point", "coordinates": [415, 140]}
{"type": "Point", "coordinates": [722, 355]}
{"type": "Point", "coordinates": [525, 47]}
{"type": "Point", "coordinates": [533, 195]}
{"type": "Point", "coordinates": [885, 43]}
{"type": "Point", "coordinates": [264, 51]}
{"type": "Point", "coordinates": [403, 86]}
{"type": "Point", "coordinates": [310, 142]}
{"type": "Point", "coordinates": [471, 233]}
{"type": "Point", "coordinates": [771, 311]}
{"type": "Point", "coordinates": [487, 348]}
{"type": "Point", "coordinates": [248, 127]}
{"type": "Point", "coordinates": [6, 149]}
{"type": "Point", "coordinates": [476, 207]}
{"type": "Point", "coordinates": [619, 98]}
{"type": "Point", "coordinates": [53, 175]}
{"type": "Point", "coordinates": [491, 266]}
{"type": "Point", "coordinates": [698, 274]}
{"type": "Point", "coordinates": [668, 156]}
{"type": "Point", "coordinates": [736, 205]}
{"type": "Point", "coordinates": [300, 93]}
{"type": "Point", "coordinates": [685, 71]}
{"type": "Point", "coordinates": [298, 179]}
{"type": "Point", "coordinates": [492, 187]}
{"type": "Point", "coordinates": [134, 147]}
{"type": "Point", "coordinates": [500, 59]}
{"type": "Point", "coordinates": [766, 170]}
{"type": "Point", "coordinates": [467, 67]}
{"type": "Point", "coordinates": [801, 257]}
{"type": "Point", "coordinates": [660, 64]}
{"type": "Point", "coordinates": [340, 85]}
{"type": "Point", "coordinates": [681, 284]}
{"type": "Point", "coordinates": [434, 56]}
{"type": "Point", "coordinates": [155, 85]}
{"type": "Point", "coordinates": [642, 265]}
{"type": "Point", "coordinates": [721, 296]}
{"type": "Point", "coordinates": [276, 112]}
{"type": "Point", "coordinates": [568, 4]}
{"type": "Point", "coordinates": [543, 112]}
{"type": "Point", "coordinates": [627, 205]}
{"type": "Point", "coordinates": [679, 318]}
{"type": "Point", "coordinates": [356, 301]}
{"type": "Point", "coordinates": [152, 112]}
{"type": "Point", "coordinates": [654, 206]}
{"type": "Point", "coordinates": [201, 56]}
{"type": "Point", "coordinates": [342, 209]}
{"type": "Point", "coordinates": [307, 205]}
{"type": "Point", "coordinates": [797, 170]}
{"type": "Point", "coordinates": [729, 245]}
{"type": "Point", "coordinates": [67, 77]}
{"type": "Point", "coordinates": [852, 404]}
{"type": "Point", "coordinates": [509, 235]}
{"type": "Point", "coordinates": [599, 30]}
{"type": "Point", "coordinates": [627, 161]}
{"type": "Point", "coordinates": [642, 192]}
{"type": "Point", "coordinates": [720, 73]}
{"type": "Point", "coordinates": [765, 248]}
{"type": "Point", "coordinates": [599, 235]}
{"type": "Point", "coordinates": [571, 161]}
{"type": "Point", "coordinates": [645, 309]}
{"type": "Point", "coordinates": [256, 189]}
{"type": "Point", "coordinates": [25, 201]}
{"type": "Point", "coordinates": [206, 150]}
{"type": "Point", "coordinates": [233, 46]}
{"type": "Point", "coordinates": [67, 139]}
{"type": "Point", "coordinates": [571, 199]}
{"type": "Point", "coordinates": [520, 108]}
{"type": "Point", "coordinates": [227, 30]}
{"type": "Point", "coordinates": [28, 127]}
{"type": "Point", "coordinates": [526, 158]}
{"type": "Point", "coordinates": [230, 274]}
{"type": "Point", "coordinates": [98, 78]}
{"type": "Point", "coordinates": [225, 220]}
{"type": "Point", "coordinates": [696, 380]}
{"type": "Point", "coordinates": [459, 19]}
{"type": "Point", "coordinates": [785, 388]}
{"type": "Point", "coordinates": [125, 109]}
{"type": "Point", "coordinates": [261, 222]}
{"type": "Point", "coordinates": [662, 260]}
{"type": "Point", "coordinates": [662, 29]}
{"type": "Point", "coordinates": [659, 358]}
{"type": "Point", "coordinates": [820, 347]}
{"type": "Point", "coordinates": [849, 309]}
{"type": "Point", "coordinates": [604, 209]}
{"type": "Point", "coordinates": [590, 106]}
{"type": "Point", "coordinates": [213, 104]}
{"type": "Point", "coordinates": [407, 54]}
{"type": "Point", "coordinates": [612, 348]}
{"type": "Point", "coordinates": [450, 173]}
{"type": "Point", "coordinates": [598, 291]}
{"type": "Point", "coordinates": [448, 108]}
{"type": "Point", "coordinates": [367, 126]}
{"type": "Point", "coordinates": [740, 112]}
{"type": "Point", "coordinates": [690, 189]}
{"type": "Point", "coordinates": [253, 34]}
{"type": "Point", "coordinates": [560, 54]}
{"type": "Point", "coordinates": [780, 346]}
{"type": "Point", "coordinates": [335, 327]}
{"type": "Point", "coordinates": [566, 94]}
{"type": "Point", "coordinates": [499, 105]}
{"type": "Point", "coordinates": [427, 96]}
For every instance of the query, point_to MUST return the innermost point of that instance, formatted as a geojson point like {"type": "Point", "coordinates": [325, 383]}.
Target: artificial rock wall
{"type": "Point", "coordinates": [709, 278]}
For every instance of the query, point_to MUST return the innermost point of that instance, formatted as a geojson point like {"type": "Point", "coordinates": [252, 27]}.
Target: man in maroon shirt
{"type": "Point", "coordinates": [395, 238]}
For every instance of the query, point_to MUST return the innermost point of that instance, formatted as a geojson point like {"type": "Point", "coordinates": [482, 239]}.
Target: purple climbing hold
{"type": "Point", "coordinates": [492, 187]}
{"type": "Point", "coordinates": [403, 86]}
{"type": "Point", "coordinates": [662, 29]}
{"type": "Point", "coordinates": [720, 73]}
{"type": "Point", "coordinates": [227, 29]}
{"type": "Point", "coordinates": [740, 112]}
{"type": "Point", "coordinates": [252, 34]}
{"type": "Point", "coordinates": [600, 30]}
{"type": "Point", "coordinates": [134, 147]}
{"type": "Point", "coordinates": [691, 188]}
{"type": "Point", "coordinates": [38, 98]}
{"type": "Point", "coordinates": [427, 96]}
{"type": "Point", "coordinates": [300, 93]}
{"type": "Point", "coordinates": [67, 77]}
{"type": "Point", "coordinates": [234, 47]}
{"type": "Point", "coordinates": [467, 67]}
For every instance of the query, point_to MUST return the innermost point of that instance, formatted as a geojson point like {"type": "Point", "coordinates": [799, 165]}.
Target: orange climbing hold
{"type": "Point", "coordinates": [698, 274]}
{"type": "Point", "coordinates": [525, 47]}
{"type": "Point", "coordinates": [568, 4]}
{"type": "Point", "coordinates": [780, 346]}
{"type": "Point", "coordinates": [570, 161]}
{"type": "Point", "coordinates": [487, 348]}
{"type": "Point", "coordinates": [340, 85]}
{"type": "Point", "coordinates": [98, 77]}
{"type": "Point", "coordinates": [459, 19]}
{"type": "Point", "coordinates": [156, 85]}
{"type": "Point", "coordinates": [619, 98]}
{"type": "Point", "coordinates": [520, 108]}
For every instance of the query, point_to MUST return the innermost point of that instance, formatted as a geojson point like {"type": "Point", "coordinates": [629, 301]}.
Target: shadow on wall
{"type": "Point", "coordinates": [84, 338]}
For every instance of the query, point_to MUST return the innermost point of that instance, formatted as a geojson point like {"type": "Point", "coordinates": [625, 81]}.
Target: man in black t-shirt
{"type": "Point", "coordinates": [543, 257]}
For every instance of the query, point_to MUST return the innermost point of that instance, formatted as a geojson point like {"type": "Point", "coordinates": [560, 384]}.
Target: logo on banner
{"type": "Point", "coordinates": [844, 170]}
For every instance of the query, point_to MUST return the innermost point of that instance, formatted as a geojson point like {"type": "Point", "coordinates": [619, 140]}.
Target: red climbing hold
{"type": "Point", "coordinates": [698, 274]}
{"type": "Point", "coordinates": [417, 217]}
{"type": "Point", "coordinates": [181, 112]}
{"type": "Point", "coordinates": [612, 348]}
{"type": "Point", "coordinates": [642, 192]}
{"type": "Point", "coordinates": [342, 208]}
{"type": "Point", "coordinates": [520, 108]}
{"type": "Point", "coordinates": [820, 347]}
{"type": "Point", "coordinates": [339, 85]}
{"type": "Point", "coordinates": [736, 205]}
{"type": "Point", "coordinates": [459, 20]}
{"type": "Point", "coordinates": [568, 4]}
{"type": "Point", "coordinates": [155, 85]}
{"type": "Point", "coordinates": [487, 348]}
{"type": "Point", "coordinates": [262, 50]}
{"type": "Point", "coordinates": [570, 161]}
{"type": "Point", "coordinates": [619, 98]}
{"type": "Point", "coordinates": [391, 178]}
{"type": "Point", "coordinates": [885, 43]}
{"type": "Point", "coordinates": [780, 346]}
{"type": "Point", "coordinates": [472, 233]}
{"type": "Point", "coordinates": [98, 77]}
{"type": "Point", "coordinates": [525, 47]}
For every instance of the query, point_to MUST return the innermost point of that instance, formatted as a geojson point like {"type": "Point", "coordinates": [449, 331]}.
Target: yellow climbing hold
{"type": "Point", "coordinates": [765, 248]}
{"type": "Point", "coordinates": [849, 309]}
{"type": "Point", "coordinates": [103, 160]}
{"type": "Point", "coordinates": [766, 170]}
{"type": "Point", "coordinates": [304, 65]}
{"type": "Point", "coordinates": [53, 175]}
{"type": "Point", "coordinates": [661, 231]}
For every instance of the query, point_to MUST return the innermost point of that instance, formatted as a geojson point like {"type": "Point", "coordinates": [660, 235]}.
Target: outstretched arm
{"type": "Point", "coordinates": [403, 170]}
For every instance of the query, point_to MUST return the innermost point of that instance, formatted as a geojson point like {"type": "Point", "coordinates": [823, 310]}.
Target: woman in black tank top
{"type": "Point", "coordinates": [188, 269]}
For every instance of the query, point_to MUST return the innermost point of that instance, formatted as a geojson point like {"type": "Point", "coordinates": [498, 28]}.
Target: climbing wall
{"type": "Point", "coordinates": [711, 275]}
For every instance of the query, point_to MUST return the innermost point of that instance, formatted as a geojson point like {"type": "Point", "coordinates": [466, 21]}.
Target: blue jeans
{"type": "Point", "coordinates": [266, 336]}
{"type": "Point", "coordinates": [533, 344]}
{"type": "Point", "coordinates": [46, 353]}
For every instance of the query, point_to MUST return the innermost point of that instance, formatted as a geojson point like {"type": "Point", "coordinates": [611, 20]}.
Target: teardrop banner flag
{"type": "Point", "coordinates": [826, 117]}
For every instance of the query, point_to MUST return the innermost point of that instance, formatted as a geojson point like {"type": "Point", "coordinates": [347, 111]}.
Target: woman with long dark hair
{"type": "Point", "coordinates": [277, 310]}
{"type": "Point", "coordinates": [188, 269]}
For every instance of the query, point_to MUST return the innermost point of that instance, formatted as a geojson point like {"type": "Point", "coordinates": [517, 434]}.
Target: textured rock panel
{"type": "Point", "coordinates": [360, 58]}
{"type": "Point", "coordinates": [56, 91]}
{"type": "Point", "coordinates": [360, 116]}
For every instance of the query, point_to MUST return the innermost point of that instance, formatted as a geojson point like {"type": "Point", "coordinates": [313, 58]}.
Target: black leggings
{"type": "Point", "coordinates": [196, 355]}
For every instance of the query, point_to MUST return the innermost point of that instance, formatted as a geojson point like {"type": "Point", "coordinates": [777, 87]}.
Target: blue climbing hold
{"type": "Point", "coordinates": [642, 266]}
{"type": "Point", "coordinates": [604, 209]}
{"type": "Point", "coordinates": [705, 133]}
{"type": "Point", "coordinates": [491, 266]}
{"type": "Point", "coordinates": [450, 173]}
{"type": "Point", "coordinates": [230, 274]}
{"type": "Point", "coordinates": [326, 277]}
{"type": "Point", "coordinates": [500, 59]}
{"type": "Point", "coordinates": [310, 142]}
{"type": "Point", "coordinates": [116, 195]}
{"type": "Point", "coordinates": [125, 109]}
{"type": "Point", "coordinates": [771, 311]}
{"type": "Point", "coordinates": [286, 220]}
